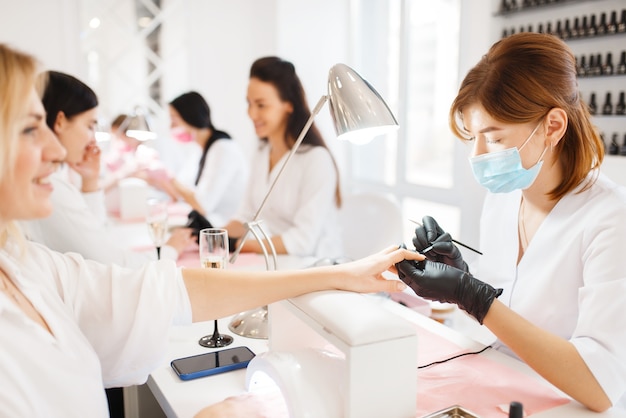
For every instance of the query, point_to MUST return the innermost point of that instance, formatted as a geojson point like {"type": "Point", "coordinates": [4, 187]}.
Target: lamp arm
{"type": "Point", "coordinates": [296, 145]}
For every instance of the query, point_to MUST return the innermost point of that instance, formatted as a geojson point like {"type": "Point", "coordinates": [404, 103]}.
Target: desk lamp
{"type": "Point", "coordinates": [136, 125]}
{"type": "Point", "coordinates": [359, 114]}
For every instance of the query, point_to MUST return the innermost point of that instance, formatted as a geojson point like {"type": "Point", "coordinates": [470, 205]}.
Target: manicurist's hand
{"type": "Point", "coordinates": [443, 283]}
{"type": "Point", "coordinates": [443, 249]}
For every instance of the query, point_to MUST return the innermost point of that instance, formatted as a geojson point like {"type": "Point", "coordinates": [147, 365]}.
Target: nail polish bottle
{"type": "Point", "coordinates": [549, 28]}
{"type": "Point", "coordinates": [593, 106]}
{"type": "Point", "coordinates": [540, 28]}
{"type": "Point", "coordinates": [567, 32]}
{"type": "Point", "coordinates": [592, 29]}
{"type": "Point", "coordinates": [504, 6]}
{"type": "Point", "coordinates": [505, 33]}
{"type": "Point", "coordinates": [516, 410]}
{"type": "Point", "coordinates": [607, 107]}
{"type": "Point", "coordinates": [584, 27]}
{"type": "Point", "coordinates": [602, 27]}
{"type": "Point", "coordinates": [611, 27]}
{"type": "Point", "coordinates": [598, 68]}
{"type": "Point", "coordinates": [580, 66]}
{"type": "Point", "coordinates": [621, 27]}
{"type": "Point", "coordinates": [576, 28]}
{"type": "Point", "coordinates": [620, 107]}
{"type": "Point", "coordinates": [613, 146]}
{"type": "Point", "coordinates": [621, 66]}
{"type": "Point", "coordinates": [559, 29]}
{"type": "Point", "coordinates": [591, 71]}
{"type": "Point", "coordinates": [607, 67]}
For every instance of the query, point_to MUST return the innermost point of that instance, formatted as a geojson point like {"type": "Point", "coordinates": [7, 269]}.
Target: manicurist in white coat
{"type": "Point", "coordinates": [214, 175]}
{"type": "Point", "coordinates": [69, 326]}
{"type": "Point", "coordinates": [301, 214]}
{"type": "Point", "coordinates": [78, 222]}
{"type": "Point", "coordinates": [552, 275]}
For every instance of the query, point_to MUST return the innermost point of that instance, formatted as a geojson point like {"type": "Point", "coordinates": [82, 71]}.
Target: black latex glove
{"type": "Point", "coordinates": [197, 222]}
{"type": "Point", "coordinates": [443, 283]}
{"type": "Point", "coordinates": [444, 250]}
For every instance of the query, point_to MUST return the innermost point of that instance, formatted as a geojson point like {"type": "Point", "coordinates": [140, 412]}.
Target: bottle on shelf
{"type": "Point", "coordinates": [593, 106]}
{"type": "Point", "coordinates": [607, 67]}
{"type": "Point", "coordinates": [584, 28]}
{"type": "Point", "coordinates": [602, 25]}
{"type": "Point", "coordinates": [581, 66]}
{"type": "Point", "coordinates": [576, 28]}
{"type": "Point", "coordinates": [567, 32]}
{"type": "Point", "coordinates": [620, 107]}
{"type": "Point", "coordinates": [621, 27]}
{"type": "Point", "coordinates": [607, 107]}
{"type": "Point", "coordinates": [598, 68]}
{"type": "Point", "coordinates": [591, 70]}
{"type": "Point", "coordinates": [611, 27]}
{"type": "Point", "coordinates": [592, 29]}
{"type": "Point", "coordinates": [614, 146]}
{"type": "Point", "coordinates": [621, 66]}
{"type": "Point", "coordinates": [559, 29]}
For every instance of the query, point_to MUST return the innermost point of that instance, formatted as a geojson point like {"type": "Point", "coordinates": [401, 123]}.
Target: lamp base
{"type": "Point", "coordinates": [251, 324]}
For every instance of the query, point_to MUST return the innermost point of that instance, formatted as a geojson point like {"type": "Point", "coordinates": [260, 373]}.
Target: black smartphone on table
{"type": "Point", "coordinates": [216, 362]}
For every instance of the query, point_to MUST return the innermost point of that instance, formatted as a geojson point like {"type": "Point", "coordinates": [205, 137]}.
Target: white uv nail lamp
{"type": "Point", "coordinates": [338, 354]}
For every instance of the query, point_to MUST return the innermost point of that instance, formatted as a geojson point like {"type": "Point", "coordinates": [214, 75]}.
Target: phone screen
{"type": "Point", "coordinates": [212, 363]}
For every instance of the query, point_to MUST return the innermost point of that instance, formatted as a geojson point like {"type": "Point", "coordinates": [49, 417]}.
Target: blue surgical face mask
{"type": "Point", "coordinates": [502, 171]}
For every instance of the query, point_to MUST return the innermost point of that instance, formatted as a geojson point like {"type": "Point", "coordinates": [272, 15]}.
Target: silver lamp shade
{"type": "Point", "coordinates": [137, 126]}
{"type": "Point", "coordinates": [359, 113]}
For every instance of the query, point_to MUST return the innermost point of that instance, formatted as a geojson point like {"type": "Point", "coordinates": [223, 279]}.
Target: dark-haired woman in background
{"type": "Point", "coordinates": [301, 214]}
{"type": "Point", "coordinates": [78, 222]}
{"type": "Point", "coordinates": [212, 180]}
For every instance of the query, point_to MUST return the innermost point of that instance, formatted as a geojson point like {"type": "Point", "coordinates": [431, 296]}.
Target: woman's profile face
{"type": "Point", "coordinates": [38, 153]}
{"type": "Point", "coordinates": [266, 110]}
{"type": "Point", "coordinates": [76, 133]}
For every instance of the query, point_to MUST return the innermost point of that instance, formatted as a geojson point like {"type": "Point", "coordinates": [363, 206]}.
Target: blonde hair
{"type": "Point", "coordinates": [18, 75]}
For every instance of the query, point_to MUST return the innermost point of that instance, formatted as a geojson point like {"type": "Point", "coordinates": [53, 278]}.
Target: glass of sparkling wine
{"type": "Point", "coordinates": [213, 243]}
{"type": "Point", "coordinates": [156, 219]}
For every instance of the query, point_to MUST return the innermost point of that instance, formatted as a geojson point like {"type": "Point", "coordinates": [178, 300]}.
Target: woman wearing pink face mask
{"type": "Point", "coordinates": [214, 175]}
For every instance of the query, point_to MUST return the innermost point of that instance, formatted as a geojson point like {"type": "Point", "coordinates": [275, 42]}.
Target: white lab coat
{"type": "Point", "coordinates": [572, 279]}
{"type": "Point", "coordinates": [78, 223]}
{"type": "Point", "coordinates": [109, 329]}
{"type": "Point", "coordinates": [301, 208]}
{"type": "Point", "coordinates": [222, 183]}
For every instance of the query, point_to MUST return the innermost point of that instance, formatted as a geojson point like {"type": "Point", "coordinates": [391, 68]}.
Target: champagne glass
{"type": "Point", "coordinates": [156, 218]}
{"type": "Point", "coordinates": [213, 244]}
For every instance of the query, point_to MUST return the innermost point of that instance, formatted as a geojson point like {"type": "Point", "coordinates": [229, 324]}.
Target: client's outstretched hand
{"type": "Point", "coordinates": [366, 275]}
{"type": "Point", "coordinates": [443, 283]}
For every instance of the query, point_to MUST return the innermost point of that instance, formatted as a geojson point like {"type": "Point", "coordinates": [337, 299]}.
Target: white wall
{"type": "Point", "coordinates": [47, 29]}
{"type": "Point", "coordinates": [213, 52]}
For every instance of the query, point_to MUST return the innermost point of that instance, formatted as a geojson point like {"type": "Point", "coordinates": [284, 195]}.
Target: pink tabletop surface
{"type": "Point", "coordinates": [475, 382]}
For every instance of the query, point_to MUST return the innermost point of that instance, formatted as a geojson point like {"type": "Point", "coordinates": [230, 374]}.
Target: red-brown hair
{"type": "Point", "coordinates": [519, 80]}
